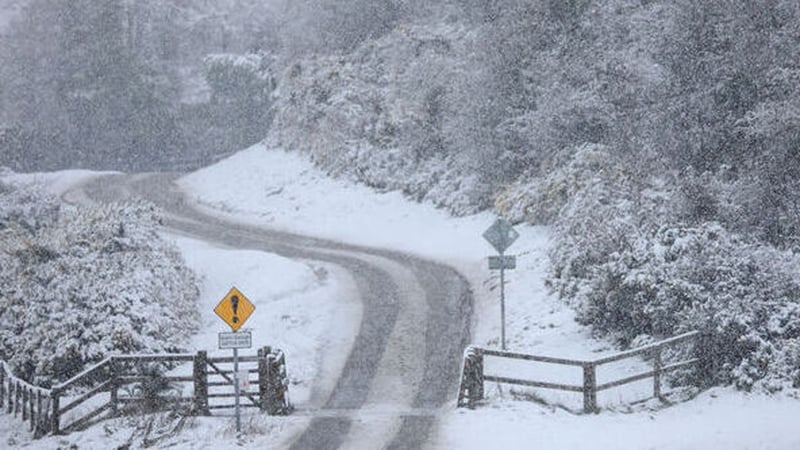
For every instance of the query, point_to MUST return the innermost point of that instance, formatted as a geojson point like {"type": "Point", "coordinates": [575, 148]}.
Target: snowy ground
{"type": "Point", "coordinates": [282, 190]}
{"type": "Point", "coordinates": [305, 309]}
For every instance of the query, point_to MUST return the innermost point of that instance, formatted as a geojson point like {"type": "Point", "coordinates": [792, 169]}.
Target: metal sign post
{"type": "Point", "coordinates": [234, 309]}
{"type": "Point", "coordinates": [236, 389]}
{"type": "Point", "coordinates": [501, 235]}
{"type": "Point", "coordinates": [236, 340]}
{"type": "Point", "coordinates": [502, 306]}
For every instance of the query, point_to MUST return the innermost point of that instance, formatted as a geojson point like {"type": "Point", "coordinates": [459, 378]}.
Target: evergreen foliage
{"type": "Point", "coordinates": [78, 284]}
{"type": "Point", "coordinates": [241, 88]}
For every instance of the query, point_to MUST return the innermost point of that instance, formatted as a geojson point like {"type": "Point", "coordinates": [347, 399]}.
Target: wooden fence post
{"type": "Point", "coordinates": [657, 365]}
{"type": "Point", "coordinates": [10, 404]}
{"type": "Point", "coordinates": [263, 376]}
{"type": "Point", "coordinates": [479, 374]}
{"type": "Point", "coordinates": [200, 375]}
{"type": "Point", "coordinates": [276, 384]}
{"type": "Point", "coordinates": [32, 403]}
{"type": "Point", "coordinates": [273, 377]}
{"type": "Point", "coordinates": [37, 406]}
{"type": "Point", "coordinates": [2, 383]}
{"type": "Point", "coordinates": [40, 414]}
{"type": "Point", "coordinates": [44, 425]}
{"type": "Point", "coordinates": [17, 397]}
{"type": "Point", "coordinates": [589, 388]}
{"type": "Point", "coordinates": [472, 379]}
{"type": "Point", "coordinates": [25, 403]}
{"type": "Point", "coordinates": [55, 414]}
{"type": "Point", "coordinates": [282, 384]}
{"type": "Point", "coordinates": [463, 388]}
{"type": "Point", "coordinates": [113, 392]}
{"type": "Point", "coordinates": [32, 407]}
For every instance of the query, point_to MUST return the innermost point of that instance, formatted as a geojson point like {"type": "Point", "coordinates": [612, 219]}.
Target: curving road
{"type": "Point", "coordinates": [403, 366]}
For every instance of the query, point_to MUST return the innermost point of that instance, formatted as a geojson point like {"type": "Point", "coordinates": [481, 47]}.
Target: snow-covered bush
{"type": "Point", "coordinates": [238, 113]}
{"type": "Point", "coordinates": [541, 199]}
{"type": "Point", "coordinates": [636, 264]}
{"type": "Point", "coordinates": [240, 78]}
{"type": "Point", "coordinates": [387, 115]}
{"type": "Point", "coordinates": [79, 283]}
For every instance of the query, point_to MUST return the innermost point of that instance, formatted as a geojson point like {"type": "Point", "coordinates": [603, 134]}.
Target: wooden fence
{"type": "Point", "coordinates": [29, 403]}
{"type": "Point", "coordinates": [473, 376]}
{"type": "Point", "coordinates": [133, 386]}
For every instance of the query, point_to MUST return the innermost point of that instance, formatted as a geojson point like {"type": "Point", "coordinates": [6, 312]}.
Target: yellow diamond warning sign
{"type": "Point", "coordinates": [234, 309]}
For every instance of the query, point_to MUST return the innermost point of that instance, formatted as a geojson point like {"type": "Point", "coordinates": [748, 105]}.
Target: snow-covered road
{"type": "Point", "coordinates": [403, 364]}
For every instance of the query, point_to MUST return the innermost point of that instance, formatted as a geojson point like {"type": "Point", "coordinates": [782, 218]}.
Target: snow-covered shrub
{"type": "Point", "coordinates": [541, 199]}
{"type": "Point", "coordinates": [78, 284]}
{"type": "Point", "coordinates": [387, 115]}
{"type": "Point", "coordinates": [237, 114]}
{"type": "Point", "coordinates": [633, 267]}
{"type": "Point", "coordinates": [243, 78]}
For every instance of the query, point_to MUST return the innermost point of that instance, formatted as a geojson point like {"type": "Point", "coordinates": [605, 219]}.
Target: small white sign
{"type": "Point", "coordinates": [502, 262]}
{"type": "Point", "coordinates": [244, 379]}
{"type": "Point", "coordinates": [241, 339]}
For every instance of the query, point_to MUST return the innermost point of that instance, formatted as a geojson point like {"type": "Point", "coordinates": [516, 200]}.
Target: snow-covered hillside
{"type": "Point", "coordinates": [284, 191]}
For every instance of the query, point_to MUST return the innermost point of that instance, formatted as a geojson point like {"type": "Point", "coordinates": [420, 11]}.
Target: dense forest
{"type": "Point", "coordinates": [659, 138]}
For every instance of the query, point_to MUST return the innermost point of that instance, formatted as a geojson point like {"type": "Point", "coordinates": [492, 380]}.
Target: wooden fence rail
{"type": "Point", "coordinates": [29, 403]}
{"type": "Point", "coordinates": [45, 408]}
{"type": "Point", "coordinates": [473, 376]}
